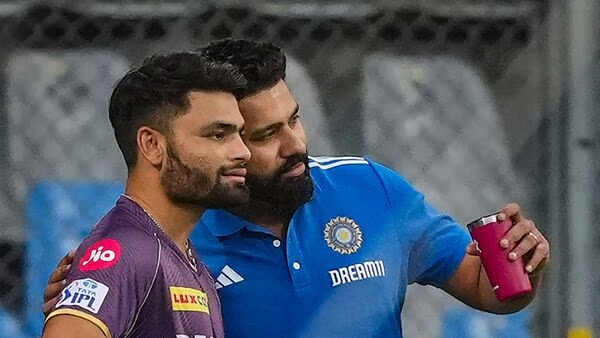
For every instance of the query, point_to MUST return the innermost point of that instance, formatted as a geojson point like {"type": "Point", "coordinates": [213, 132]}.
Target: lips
{"type": "Point", "coordinates": [235, 172]}
{"type": "Point", "coordinates": [296, 170]}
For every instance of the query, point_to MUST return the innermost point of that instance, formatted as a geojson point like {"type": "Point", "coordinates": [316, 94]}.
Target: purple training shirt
{"type": "Point", "coordinates": [131, 280]}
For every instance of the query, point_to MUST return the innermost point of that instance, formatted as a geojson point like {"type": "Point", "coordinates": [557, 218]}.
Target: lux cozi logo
{"type": "Point", "coordinates": [187, 299]}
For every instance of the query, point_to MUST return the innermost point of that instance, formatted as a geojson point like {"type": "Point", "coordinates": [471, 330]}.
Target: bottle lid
{"type": "Point", "coordinates": [483, 221]}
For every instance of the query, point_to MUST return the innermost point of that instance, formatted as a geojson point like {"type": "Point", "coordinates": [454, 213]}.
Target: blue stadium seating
{"type": "Point", "coordinates": [9, 326]}
{"type": "Point", "coordinates": [466, 323]}
{"type": "Point", "coordinates": [59, 215]}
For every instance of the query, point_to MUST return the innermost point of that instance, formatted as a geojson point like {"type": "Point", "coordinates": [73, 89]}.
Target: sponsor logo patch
{"type": "Point", "coordinates": [101, 255]}
{"type": "Point", "coordinates": [343, 235]}
{"type": "Point", "coordinates": [87, 294]}
{"type": "Point", "coordinates": [187, 299]}
{"type": "Point", "coordinates": [357, 272]}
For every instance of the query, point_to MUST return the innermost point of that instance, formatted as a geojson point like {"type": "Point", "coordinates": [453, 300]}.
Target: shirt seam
{"type": "Point", "coordinates": [139, 310]}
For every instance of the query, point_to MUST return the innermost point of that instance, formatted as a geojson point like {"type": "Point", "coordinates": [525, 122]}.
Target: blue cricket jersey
{"type": "Point", "coordinates": [343, 268]}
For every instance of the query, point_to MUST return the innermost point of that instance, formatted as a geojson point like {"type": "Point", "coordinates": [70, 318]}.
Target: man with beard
{"type": "Point", "coordinates": [177, 123]}
{"type": "Point", "coordinates": [326, 246]}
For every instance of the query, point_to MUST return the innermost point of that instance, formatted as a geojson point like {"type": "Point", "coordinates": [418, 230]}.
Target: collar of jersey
{"type": "Point", "coordinates": [223, 223]}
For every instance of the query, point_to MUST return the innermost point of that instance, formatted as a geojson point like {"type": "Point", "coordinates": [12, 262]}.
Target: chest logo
{"type": "Point", "coordinates": [187, 299]}
{"type": "Point", "coordinates": [343, 235]}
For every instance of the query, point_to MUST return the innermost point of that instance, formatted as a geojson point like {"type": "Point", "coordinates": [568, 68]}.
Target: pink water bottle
{"type": "Point", "coordinates": [508, 278]}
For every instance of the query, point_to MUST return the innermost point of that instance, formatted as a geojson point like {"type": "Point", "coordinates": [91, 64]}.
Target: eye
{"type": "Point", "coordinates": [268, 135]}
{"type": "Point", "coordinates": [218, 136]}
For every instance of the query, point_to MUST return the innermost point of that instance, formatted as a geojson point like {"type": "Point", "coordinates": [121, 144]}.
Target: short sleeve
{"type": "Point", "coordinates": [110, 279]}
{"type": "Point", "coordinates": [440, 247]}
{"type": "Point", "coordinates": [437, 243]}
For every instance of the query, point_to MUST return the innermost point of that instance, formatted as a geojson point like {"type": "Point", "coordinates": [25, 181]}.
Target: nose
{"type": "Point", "coordinates": [240, 150]}
{"type": "Point", "coordinates": [293, 143]}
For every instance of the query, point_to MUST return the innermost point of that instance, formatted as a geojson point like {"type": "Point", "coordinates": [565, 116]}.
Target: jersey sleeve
{"type": "Point", "coordinates": [437, 243]}
{"type": "Point", "coordinates": [110, 279]}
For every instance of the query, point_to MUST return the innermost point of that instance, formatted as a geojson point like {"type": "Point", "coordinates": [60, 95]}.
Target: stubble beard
{"type": "Point", "coordinates": [185, 184]}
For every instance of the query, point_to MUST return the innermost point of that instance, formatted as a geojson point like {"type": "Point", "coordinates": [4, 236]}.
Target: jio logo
{"type": "Point", "coordinates": [101, 255]}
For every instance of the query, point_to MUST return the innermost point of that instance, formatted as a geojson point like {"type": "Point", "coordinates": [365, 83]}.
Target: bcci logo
{"type": "Point", "coordinates": [343, 235]}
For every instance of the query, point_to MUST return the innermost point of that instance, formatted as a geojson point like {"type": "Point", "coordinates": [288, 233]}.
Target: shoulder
{"type": "Point", "coordinates": [344, 163]}
{"type": "Point", "coordinates": [339, 169]}
{"type": "Point", "coordinates": [357, 171]}
{"type": "Point", "coordinates": [118, 249]}
{"type": "Point", "coordinates": [349, 166]}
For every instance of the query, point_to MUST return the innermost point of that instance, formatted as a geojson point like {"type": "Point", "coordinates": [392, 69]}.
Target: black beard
{"type": "Point", "coordinates": [282, 193]}
{"type": "Point", "coordinates": [187, 185]}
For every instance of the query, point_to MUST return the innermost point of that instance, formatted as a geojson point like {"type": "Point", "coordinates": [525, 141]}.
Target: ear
{"type": "Point", "coordinates": [151, 145]}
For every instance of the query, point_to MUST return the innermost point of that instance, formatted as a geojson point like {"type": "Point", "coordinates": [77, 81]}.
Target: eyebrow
{"type": "Point", "coordinates": [225, 126]}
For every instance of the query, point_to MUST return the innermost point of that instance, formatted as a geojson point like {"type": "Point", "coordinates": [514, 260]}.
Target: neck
{"type": "Point", "coordinates": [267, 215]}
{"type": "Point", "coordinates": [176, 220]}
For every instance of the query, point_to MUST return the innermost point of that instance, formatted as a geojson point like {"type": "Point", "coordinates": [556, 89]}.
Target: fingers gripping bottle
{"type": "Point", "coordinates": [508, 278]}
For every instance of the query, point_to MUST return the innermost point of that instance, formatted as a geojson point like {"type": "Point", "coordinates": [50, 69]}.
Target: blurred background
{"type": "Point", "coordinates": [477, 102]}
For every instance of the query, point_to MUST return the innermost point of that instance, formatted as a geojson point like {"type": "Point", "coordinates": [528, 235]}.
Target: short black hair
{"type": "Point", "coordinates": [158, 91]}
{"type": "Point", "coordinates": [262, 63]}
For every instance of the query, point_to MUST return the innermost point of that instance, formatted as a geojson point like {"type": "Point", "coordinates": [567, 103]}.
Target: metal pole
{"type": "Point", "coordinates": [552, 304]}
{"type": "Point", "coordinates": [583, 37]}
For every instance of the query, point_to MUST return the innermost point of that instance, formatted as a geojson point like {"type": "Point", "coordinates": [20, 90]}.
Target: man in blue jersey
{"type": "Point", "coordinates": [177, 123]}
{"type": "Point", "coordinates": [326, 246]}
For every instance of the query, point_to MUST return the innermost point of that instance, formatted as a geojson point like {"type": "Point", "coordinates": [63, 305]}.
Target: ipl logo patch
{"type": "Point", "coordinates": [86, 293]}
{"type": "Point", "coordinates": [343, 235]}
